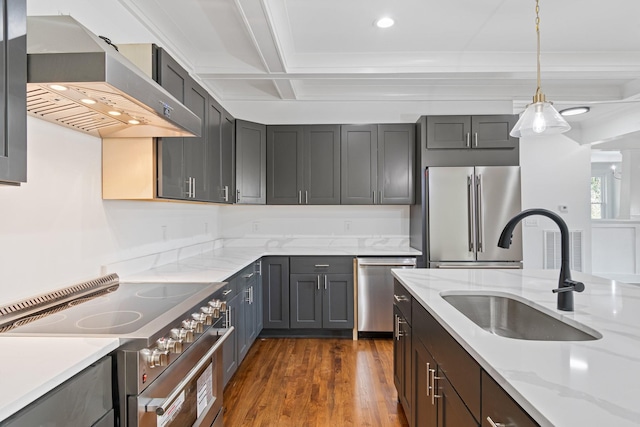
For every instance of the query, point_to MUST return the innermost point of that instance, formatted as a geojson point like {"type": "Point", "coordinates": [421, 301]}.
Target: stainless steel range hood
{"type": "Point", "coordinates": [76, 79]}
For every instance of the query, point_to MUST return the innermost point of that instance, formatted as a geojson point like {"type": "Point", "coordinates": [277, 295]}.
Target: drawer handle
{"type": "Point", "coordinates": [434, 396]}
{"type": "Point", "coordinates": [494, 424]}
{"type": "Point", "coordinates": [227, 292]}
{"type": "Point", "coordinates": [322, 265]}
{"type": "Point", "coordinates": [400, 298]}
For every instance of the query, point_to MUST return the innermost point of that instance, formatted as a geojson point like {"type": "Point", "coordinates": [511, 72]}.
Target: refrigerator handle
{"type": "Point", "coordinates": [480, 226]}
{"type": "Point", "coordinates": [470, 215]}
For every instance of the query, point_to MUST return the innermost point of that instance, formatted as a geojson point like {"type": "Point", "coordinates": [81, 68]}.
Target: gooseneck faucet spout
{"type": "Point", "coordinates": [566, 286]}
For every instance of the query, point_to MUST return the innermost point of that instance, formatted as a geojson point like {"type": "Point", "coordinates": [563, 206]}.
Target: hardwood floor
{"type": "Point", "coordinates": [307, 382]}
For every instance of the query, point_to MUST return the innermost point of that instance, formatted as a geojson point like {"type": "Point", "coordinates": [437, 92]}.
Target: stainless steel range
{"type": "Point", "coordinates": [168, 368]}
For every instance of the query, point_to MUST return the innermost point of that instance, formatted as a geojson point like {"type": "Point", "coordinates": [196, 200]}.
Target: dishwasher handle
{"type": "Point", "coordinates": [386, 264]}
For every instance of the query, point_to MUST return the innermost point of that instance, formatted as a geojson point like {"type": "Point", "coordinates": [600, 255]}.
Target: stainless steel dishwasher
{"type": "Point", "coordinates": [375, 292]}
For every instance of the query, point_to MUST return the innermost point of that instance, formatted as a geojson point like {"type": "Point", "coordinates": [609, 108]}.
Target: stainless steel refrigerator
{"type": "Point", "coordinates": [466, 210]}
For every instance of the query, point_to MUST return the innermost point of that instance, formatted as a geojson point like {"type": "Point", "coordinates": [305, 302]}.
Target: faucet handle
{"type": "Point", "coordinates": [571, 285]}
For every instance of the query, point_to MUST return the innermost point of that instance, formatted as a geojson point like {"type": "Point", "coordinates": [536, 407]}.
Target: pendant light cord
{"type": "Point", "coordinates": [539, 96]}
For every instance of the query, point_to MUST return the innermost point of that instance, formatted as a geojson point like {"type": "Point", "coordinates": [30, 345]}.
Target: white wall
{"type": "Point", "coordinates": [56, 230]}
{"type": "Point", "coordinates": [555, 171]}
{"type": "Point", "coordinates": [336, 222]}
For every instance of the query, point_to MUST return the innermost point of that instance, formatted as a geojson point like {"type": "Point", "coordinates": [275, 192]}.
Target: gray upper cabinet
{"type": "Point", "coordinates": [13, 89]}
{"type": "Point", "coordinates": [396, 163]}
{"type": "Point", "coordinates": [195, 148]}
{"type": "Point", "coordinates": [471, 131]}
{"type": "Point", "coordinates": [321, 157]}
{"type": "Point", "coordinates": [303, 165]}
{"type": "Point", "coordinates": [359, 164]}
{"type": "Point", "coordinates": [284, 165]}
{"type": "Point", "coordinates": [378, 164]}
{"type": "Point", "coordinates": [251, 163]}
{"type": "Point", "coordinates": [220, 153]}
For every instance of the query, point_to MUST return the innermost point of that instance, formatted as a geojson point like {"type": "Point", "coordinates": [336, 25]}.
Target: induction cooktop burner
{"type": "Point", "coordinates": [134, 310]}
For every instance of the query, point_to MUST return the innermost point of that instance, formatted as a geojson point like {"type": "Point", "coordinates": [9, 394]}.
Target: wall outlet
{"type": "Point", "coordinates": [164, 232]}
{"type": "Point", "coordinates": [531, 222]}
{"type": "Point", "coordinates": [255, 226]}
{"type": "Point", "coordinates": [347, 226]}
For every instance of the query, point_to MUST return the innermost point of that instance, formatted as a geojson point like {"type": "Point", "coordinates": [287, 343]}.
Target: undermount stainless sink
{"type": "Point", "coordinates": [508, 317]}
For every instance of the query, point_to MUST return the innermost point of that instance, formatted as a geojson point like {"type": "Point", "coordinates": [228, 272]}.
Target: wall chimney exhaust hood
{"type": "Point", "coordinates": [77, 79]}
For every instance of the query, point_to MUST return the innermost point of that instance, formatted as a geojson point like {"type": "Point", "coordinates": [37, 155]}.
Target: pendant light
{"type": "Point", "coordinates": [539, 118]}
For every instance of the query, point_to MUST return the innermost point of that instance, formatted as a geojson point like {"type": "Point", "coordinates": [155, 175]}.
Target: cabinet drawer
{"type": "Point", "coordinates": [500, 407]}
{"type": "Point", "coordinates": [402, 300]}
{"type": "Point", "coordinates": [319, 265]}
{"type": "Point", "coordinates": [460, 368]}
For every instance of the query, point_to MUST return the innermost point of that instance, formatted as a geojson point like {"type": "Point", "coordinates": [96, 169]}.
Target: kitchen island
{"type": "Point", "coordinates": [558, 383]}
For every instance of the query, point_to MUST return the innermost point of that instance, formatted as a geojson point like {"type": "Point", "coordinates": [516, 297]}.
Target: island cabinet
{"type": "Point", "coordinates": [471, 132]}
{"type": "Point", "coordinates": [275, 292]}
{"type": "Point", "coordinates": [447, 386]}
{"type": "Point", "coordinates": [13, 89]}
{"type": "Point", "coordinates": [321, 293]}
{"type": "Point", "coordinates": [499, 409]}
{"type": "Point", "coordinates": [303, 165]}
{"type": "Point", "coordinates": [402, 374]}
{"type": "Point", "coordinates": [251, 163]}
{"type": "Point", "coordinates": [377, 164]}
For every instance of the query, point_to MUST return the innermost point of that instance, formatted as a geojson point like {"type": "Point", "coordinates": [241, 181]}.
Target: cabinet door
{"type": "Point", "coordinates": [284, 165]}
{"type": "Point", "coordinates": [13, 89]}
{"type": "Point", "coordinates": [359, 164]}
{"type": "Point", "coordinates": [246, 316]}
{"type": "Point", "coordinates": [194, 148]}
{"type": "Point", "coordinates": [257, 294]}
{"type": "Point", "coordinates": [230, 346]}
{"type": "Point", "coordinates": [321, 165]}
{"type": "Point", "coordinates": [424, 402]}
{"type": "Point", "coordinates": [402, 372]}
{"type": "Point", "coordinates": [275, 292]}
{"type": "Point", "coordinates": [171, 181]}
{"type": "Point", "coordinates": [448, 132]}
{"type": "Point", "coordinates": [500, 407]}
{"type": "Point", "coordinates": [396, 163]}
{"type": "Point", "coordinates": [337, 301]}
{"type": "Point", "coordinates": [240, 323]}
{"type": "Point", "coordinates": [251, 163]}
{"type": "Point", "coordinates": [306, 301]}
{"type": "Point", "coordinates": [214, 151]}
{"type": "Point", "coordinates": [493, 131]}
{"type": "Point", "coordinates": [227, 158]}
{"type": "Point", "coordinates": [452, 411]}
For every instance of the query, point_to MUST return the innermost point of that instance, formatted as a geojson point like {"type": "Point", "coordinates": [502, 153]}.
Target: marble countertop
{"type": "Point", "coordinates": [579, 383]}
{"type": "Point", "coordinates": [31, 367]}
{"type": "Point", "coordinates": [221, 263]}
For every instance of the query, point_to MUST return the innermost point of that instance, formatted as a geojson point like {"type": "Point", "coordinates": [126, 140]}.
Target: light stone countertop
{"type": "Point", "coordinates": [221, 263]}
{"type": "Point", "coordinates": [31, 367]}
{"type": "Point", "coordinates": [563, 384]}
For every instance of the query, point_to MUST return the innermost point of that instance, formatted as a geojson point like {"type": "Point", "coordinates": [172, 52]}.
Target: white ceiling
{"type": "Point", "coordinates": [301, 55]}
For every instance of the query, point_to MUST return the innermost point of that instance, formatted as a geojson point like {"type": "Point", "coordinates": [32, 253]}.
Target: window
{"type": "Point", "coordinates": [596, 197]}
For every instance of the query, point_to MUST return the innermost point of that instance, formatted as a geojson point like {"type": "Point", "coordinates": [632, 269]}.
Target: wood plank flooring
{"type": "Point", "coordinates": [308, 382]}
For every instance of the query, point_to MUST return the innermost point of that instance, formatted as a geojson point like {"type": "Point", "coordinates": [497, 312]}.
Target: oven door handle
{"type": "Point", "coordinates": [159, 405]}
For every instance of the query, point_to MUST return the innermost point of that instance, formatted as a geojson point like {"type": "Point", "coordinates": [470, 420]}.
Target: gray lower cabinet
{"type": "Point", "coordinates": [303, 165]}
{"type": "Point", "coordinates": [402, 374]}
{"type": "Point", "coordinates": [471, 132]}
{"type": "Point", "coordinates": [13, 89]}
{"type": "Point", "coordinates": [230, 349]}
{"type": "Point", "coordinates": [321, 293]}
{"type": "Point", "coordinates": [275, 292]}
{"type": "Point", "coordinates": [378, 164]}
{"type": "Point", "coordinates": [84, 400]}
{"type": "Point", "coordinates": [251, 163]}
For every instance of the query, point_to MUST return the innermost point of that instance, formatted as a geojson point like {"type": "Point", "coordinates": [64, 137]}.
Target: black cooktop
{"type": "Point", "coordinates": [137, 309]}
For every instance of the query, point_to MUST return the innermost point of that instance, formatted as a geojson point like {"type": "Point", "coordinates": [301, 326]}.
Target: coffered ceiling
{"type": "Point", "coordinates": [296, 52]}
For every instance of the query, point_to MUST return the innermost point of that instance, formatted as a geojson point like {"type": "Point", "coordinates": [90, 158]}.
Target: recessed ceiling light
{"type": "Point", "coordinates": [134, 122]}
{"type": "Point", "coordinates": [574, 111]}
{"type": "Point", "coordinates": [385, 22]}
{"type": "Point", "coordinates": [115, 113]}
{"type": "Point", "coordinates": [88, 101]}
{"type": "Point", "coordinates": [58, 87]}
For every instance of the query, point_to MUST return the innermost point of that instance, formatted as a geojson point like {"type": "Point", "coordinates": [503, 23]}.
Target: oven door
{"type": "Point", "coordinates": [189, 392]}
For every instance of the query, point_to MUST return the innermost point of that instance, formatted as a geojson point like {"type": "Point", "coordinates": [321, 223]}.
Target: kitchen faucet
{"type": "Point", "coordinates": [566, 286]}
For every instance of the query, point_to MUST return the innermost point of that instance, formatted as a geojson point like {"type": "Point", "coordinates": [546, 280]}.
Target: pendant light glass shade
{"type": "Point", "coordinates": [540, 118]}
